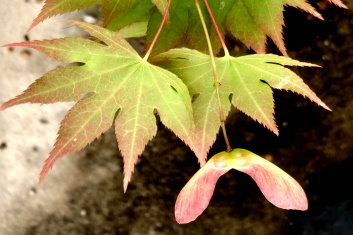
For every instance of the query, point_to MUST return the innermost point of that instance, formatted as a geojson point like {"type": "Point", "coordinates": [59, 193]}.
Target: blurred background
{"type": "Point", "coordinates": [83, 193]}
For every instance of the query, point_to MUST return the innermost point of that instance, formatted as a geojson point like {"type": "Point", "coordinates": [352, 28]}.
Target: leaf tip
{"type": "Point", "coordinates": [41, 17]}
{"type": "Point", "coordinates": [43, 173]}
{"type": "Point", "coordinates": [2, 107]}
{"type": "Point", "coordinates": [322, 104]}
{"type": "Point", "coordinates": [48, 164]}
{"type": "Point", "coordinates": [339, 3]}
{"type": "Point", "coordinates": [126, 184]}
{"type": "Point", "coordinates": [34, 24]}
{"type": "Point", "coordinates": [276, 131]}
{"type": "Point", "coordinates": [313, 12]}
{"type": "Point", "coordinates": [319, 16]}
{"type": "Point", "coordinates": [20, 44]}
{"type": "Point", "coordinates": [10, 45]}
{"type": "Point", "coordinates": [273, 127]}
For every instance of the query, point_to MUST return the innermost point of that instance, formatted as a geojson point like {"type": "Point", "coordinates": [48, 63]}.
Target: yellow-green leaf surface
{"type": "Point", "coordinates": [247, 80]}
{"type": "Point", "coordinates": [114, 86]}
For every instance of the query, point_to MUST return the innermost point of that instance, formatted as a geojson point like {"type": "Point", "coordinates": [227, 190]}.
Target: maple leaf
{"type": "Point", "coordinates": [247, 80]}
{"type": "Point", "coordinates": [277, 186]}
{"type": "Point", "coordinates": [115, 85]}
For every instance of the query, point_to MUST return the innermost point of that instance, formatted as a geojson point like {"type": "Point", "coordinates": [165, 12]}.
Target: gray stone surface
{"type": "Point", "coordinates": [27, 132]}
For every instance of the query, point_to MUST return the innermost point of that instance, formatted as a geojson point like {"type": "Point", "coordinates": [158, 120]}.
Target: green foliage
{"type": "Point", "coordinates": [250, 21]}
{"type": "Point", "coordinates": [173, 32]}
{"type": "Point", "coordinates": [115, 86]}
{"type": "Point", "coordinates": [247, 80]}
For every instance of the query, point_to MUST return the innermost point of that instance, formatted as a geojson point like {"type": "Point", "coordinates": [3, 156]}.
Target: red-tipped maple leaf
{"type": "Point", "coordinates": [115, 85]}
{"type": "Point", "coordinates": [277, 186]}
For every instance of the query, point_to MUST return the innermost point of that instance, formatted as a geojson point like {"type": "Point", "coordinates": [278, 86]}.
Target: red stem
{"type": "Point", "coordinates": [165, 17]}
{"type": "Point", "coordinates": [215, 25]}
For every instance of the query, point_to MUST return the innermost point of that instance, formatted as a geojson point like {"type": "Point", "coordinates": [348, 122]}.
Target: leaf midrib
{"type": "Point", "coordinates": [243, 83]}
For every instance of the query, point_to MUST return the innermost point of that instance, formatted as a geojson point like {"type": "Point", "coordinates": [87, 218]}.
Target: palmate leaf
{"type": "Point", "coordinates": [247, 80]}
{"type": "Point", "coordinates": [115, 85]}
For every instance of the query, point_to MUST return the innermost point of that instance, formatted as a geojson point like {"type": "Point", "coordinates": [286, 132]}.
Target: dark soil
{"type": "Point", "coordinates": [315, 147]}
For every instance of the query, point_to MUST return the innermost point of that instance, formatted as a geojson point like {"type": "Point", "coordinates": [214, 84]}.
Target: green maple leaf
{"type": "Point", "coordinates": [115, 85]}
{"type": "Point", "coordinates": [247, 80]}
